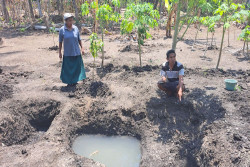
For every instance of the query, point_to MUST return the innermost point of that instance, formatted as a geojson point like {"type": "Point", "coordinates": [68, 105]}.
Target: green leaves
{"type": "Point", "coordinates": [95, 45]}
{"type": "Point", "coordinates": [116, 3]}
{"type": "Point", "coordinates": [85, 8]}
{"type": "Point", "coordinates": [245, 34]}
{"type": "Point", "coordinates": [167, 5]}
{"type": "Point", "coordinates": [93, 5]}
{"type": "Point", "coordinates": [139, 17]}
{"type": "Point", "coordinates": [226, 25]}
{"type": "Point", "coordinates": [126, 26]}
{"type": "Point", "coordinates": [105, 13]}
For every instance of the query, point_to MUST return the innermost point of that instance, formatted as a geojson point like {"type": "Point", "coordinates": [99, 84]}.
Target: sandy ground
{"type": "Point", "coordinates": [40, 116]}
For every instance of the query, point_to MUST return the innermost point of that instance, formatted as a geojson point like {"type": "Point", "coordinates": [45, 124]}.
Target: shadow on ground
{"type": "Point", "coordinates": [241, 57]}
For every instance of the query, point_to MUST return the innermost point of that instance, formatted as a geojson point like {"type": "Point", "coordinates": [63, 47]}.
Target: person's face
{"type": "Point", "coordinates": [69, 22]}
{"type": "Point", "coordinates": [171, 58]}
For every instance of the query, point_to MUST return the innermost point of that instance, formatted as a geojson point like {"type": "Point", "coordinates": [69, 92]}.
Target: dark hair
{"type": "Point", "coordinates": [169, 52]}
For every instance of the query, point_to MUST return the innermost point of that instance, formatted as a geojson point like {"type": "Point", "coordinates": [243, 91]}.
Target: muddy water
{"type": "Point", "coordinates": [114, 151]}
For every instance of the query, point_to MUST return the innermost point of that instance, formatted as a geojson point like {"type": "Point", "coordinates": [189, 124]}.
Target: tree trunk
{"type": "Point", "coordinates": [169, 22]}
{"type": "Point", "coordinates": [48, 7]}
{"type": "Point", "coordinates": [247, 49]}
{"type": "Point", "coordinates": [196, 35]}
{"type": "Point", "coordinates": [58, 7]}
{"type": "Point", "coordinates": [198, 15]}
{"type": "Point", "coordinates": [5, 11]}
{"type": "Point", "coordinates": [31, 10]}
{"type": "Point", "coordinates": [228, 38]}
{"type": "Point", "coordinates": [185, 30]}
{"type": "Point", "coordinates": [176, 26]}
{"type": "Point", "coordinates": [221, 45]}
{"type": "Point", "coordinates": [102, 49]}
{"type": "Point", "coordinates": [95, 20]}
{"type": "Point", "coordinates": [206, 44]}
{"type": "Point", "coordinates": [39, 8]}
{"type": "Point", "coordinates": [94, 70]}
{"type": "Point", "coordinates": [212, 39]}
{"type": "Point", "coordinates": [76, 13]}
{"type": "Point", "coordinates": [160, 7]}
{"type": "Point", "coordinates": [61, 7]}
{"type": "Point", "coordinates": [244, 47]}
{"type": "Point", "coordinates": [155, 4]}
{"type": "Point", "coordinates": [139, 46]}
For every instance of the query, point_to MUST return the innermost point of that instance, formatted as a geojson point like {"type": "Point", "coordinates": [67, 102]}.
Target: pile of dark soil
{"type": "Point", "coordinates": [94, 89]}
{"type": "Point", "coordinates": [53, 48]}
{"type": "Point", "coordinates": [24, 74]}
{"type": "Point", "coordinates": [6, 91]}
{"type": "Point", "coordinates": [212, 47]}
{"type": "Point", "coordinates": [130, 48]}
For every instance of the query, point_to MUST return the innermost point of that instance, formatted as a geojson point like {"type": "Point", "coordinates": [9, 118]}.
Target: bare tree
{"type": "Point", "coordinates": [61, 7]}
{"type": "Point", "coordinates": [48, 7]}
{"type": "Point", "coordinates": [5, 11]}
{"type": "Point", "coordinates": [39, 8]}
{"type": "Point", "coordinates": [58, 6]}
{"type": "Point", "coordinates": [76, 12]}
{"type": "Point", "coordinates": [31, 10]}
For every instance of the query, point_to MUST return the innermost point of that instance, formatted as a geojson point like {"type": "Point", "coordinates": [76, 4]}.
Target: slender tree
{"type": "Point", "coordinates": [140, 17]}
{"type": "Point", "coordinates": [58, 7]}
{"type": "Point", "coordinates": [176, 31]}
{"type": "Point", "coordinates": [39, 8]}
{"type": "Point", "coordinates": [105, 14]}
{"type": "Point", "coordinates": [31, 10]}
{"type": "Point", "coordinates": [225, 11]}
{"type": "Point", "coordinates": [76, 12]}
{"type": "Point", "coordinates": [5, 11]}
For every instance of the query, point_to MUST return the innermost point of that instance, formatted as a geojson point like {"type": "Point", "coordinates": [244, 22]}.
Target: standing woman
{"type": "Point", "coordinates": [72, 66]}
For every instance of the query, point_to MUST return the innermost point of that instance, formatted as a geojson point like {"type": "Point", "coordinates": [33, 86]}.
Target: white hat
{"type": "Point", "coordinates": [67, 15]}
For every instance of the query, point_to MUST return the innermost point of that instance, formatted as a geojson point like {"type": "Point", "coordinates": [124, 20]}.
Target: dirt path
{"type": "Point", "coordinates": [40, 116]}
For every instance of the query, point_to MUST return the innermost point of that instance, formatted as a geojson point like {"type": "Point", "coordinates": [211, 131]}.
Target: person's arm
{"type": "Point", "coordinates": [60, 43]}
{"type": "Point", "coordinates": [80, 43]}
{"type": "Point", "coordinates": [163, 73]}
{"type": "Point", "coordinates": [60, 50]}
{"type": "Point", "coordinates": [181, 82]}
{"type": "Point", "coordinates": [82, 49]}
{"type": "Point", "coordinates": [163, 76]}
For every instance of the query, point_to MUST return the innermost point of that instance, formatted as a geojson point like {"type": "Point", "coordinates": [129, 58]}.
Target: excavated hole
{"type": "Point", "coordinates": [117, 134]}
{"type": "Point", "coordinates": [28, 121]}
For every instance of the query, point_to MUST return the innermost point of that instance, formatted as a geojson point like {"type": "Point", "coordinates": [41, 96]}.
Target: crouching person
{"type": "Point", "coordinates": [172, 76]}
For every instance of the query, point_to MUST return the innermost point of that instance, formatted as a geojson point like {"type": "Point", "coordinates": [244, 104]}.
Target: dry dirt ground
{"type": "Point", "coordinates": [40, 116]}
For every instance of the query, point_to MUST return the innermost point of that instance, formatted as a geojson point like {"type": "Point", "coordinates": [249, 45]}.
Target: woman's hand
{"type": "Point", "coordinates": [60, 55]}
{"type": "Point", "coordinates": [82, 51]}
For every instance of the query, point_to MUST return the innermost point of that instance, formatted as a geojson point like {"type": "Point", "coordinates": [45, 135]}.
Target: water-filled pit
{"type": "Point", "coordinates": [112, 151]}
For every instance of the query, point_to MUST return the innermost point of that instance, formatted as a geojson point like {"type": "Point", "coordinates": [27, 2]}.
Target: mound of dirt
{"type": "Point", "coordinates": [53, 48]}
{"type": "Point", "coordinates": [94, 89]}
{"type": "Point", "coordinates": [5, 91]}
{"type": "Point", "coordinates": [212, 47]}
{"type": "Point", "coordinates": [130, 48]}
